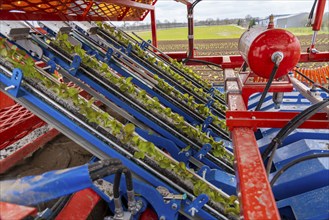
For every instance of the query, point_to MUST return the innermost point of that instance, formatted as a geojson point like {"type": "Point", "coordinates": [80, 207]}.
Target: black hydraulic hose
{"type": "Point", "coordinates": [292, 125]}
{"type": "Point", "coordinates": [310, 16]}
{"type": "Point", "coordinates": [310, 80]}
{"type": "Point", "coordinates": [299, 160]}
{"type": "Point", "coordinates": [205, 62]}
{"type": "Point", "coordinates": [191, 12]}
{"type": "Point", "coordinates": [267, 87]}
{"type": "Point", "coordinates": [58, 206]}
{"type": "Point", "coordinates": [117, 179]}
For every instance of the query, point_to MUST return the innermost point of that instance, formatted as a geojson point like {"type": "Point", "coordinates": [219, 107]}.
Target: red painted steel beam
{"type": "Point", "coordinates": [28, 149]}
{"type": "Point", "coordinates": [256, 120]}
{"type": "Point", "coordinates": [154, 29]}
{"type": "Point", "coordinates": [319, 15]}
{"type": "Point", "coordinates": [190, 27]}
{"type": "Point", "coordinates": [80, 205]}
{"type": "Point", "coordinates": [10, 211]}
{"type": "Point", "coordinates": [255, 194]}
{"type": "Point", "coordinates": [127, 3]}
{"type": "Point", "coordinates": [236, 60]}
{"type": "Point", "coordinates": [314, 57]}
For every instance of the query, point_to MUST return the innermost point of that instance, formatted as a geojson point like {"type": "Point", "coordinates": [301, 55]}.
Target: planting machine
{"type": "Point", "coordinates": [255, 147]}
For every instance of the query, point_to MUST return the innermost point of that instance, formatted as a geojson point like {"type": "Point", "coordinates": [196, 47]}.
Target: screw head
{"type": "Point", "coordinates": [174, 206]}
{"type": "Point", "coordinates": [162, 218]}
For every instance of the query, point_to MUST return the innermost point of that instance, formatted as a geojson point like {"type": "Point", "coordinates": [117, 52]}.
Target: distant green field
{"type": "Point", "coordinates": [212, 32]}
{"type": "Point", "coordinates": [201, 33]}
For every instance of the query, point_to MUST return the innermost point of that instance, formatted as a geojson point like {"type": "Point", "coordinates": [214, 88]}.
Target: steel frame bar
{"type": "Point", "coordinates": [236, 60]}
{"type": "Point", "coordinates": [305, 91]}
{"type": "Point", "coordinates": [255, 194]}
{"type": "Point", "coordinates": [79, 207]}
{"type": "Point", "coordinates": [154, 29]}
{"type": "Point", "coordinates": [272, 120]}
{"type": "Point", "coordinates": [319, 15]}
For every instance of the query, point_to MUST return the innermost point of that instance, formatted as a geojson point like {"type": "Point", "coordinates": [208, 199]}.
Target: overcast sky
{"type": "Point", "coordinates": [171, 10]}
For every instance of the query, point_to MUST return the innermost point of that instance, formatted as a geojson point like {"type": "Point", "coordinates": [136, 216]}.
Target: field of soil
{"type": "Point", "coordinates": [230, 46]}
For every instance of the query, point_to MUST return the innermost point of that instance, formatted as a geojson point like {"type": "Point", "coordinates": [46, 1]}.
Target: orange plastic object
{"type": "Point", "coordinates": [10, 211]}
{"type": "Point", "coordinates": [114, 10]}
{"type": "Point", "coordinates": [319, 75]}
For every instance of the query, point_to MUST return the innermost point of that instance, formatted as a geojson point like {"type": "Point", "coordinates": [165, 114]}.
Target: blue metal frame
{"type": "Point", "coordinates": [87, 136]}
{"type": "Point", "coordinates": [83, 77]}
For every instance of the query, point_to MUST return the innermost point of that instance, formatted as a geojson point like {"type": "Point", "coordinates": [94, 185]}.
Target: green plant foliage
{"type": "Point", "coordinates": [152, 104]}
{"type": "Point", "coordinates": [115, 128]}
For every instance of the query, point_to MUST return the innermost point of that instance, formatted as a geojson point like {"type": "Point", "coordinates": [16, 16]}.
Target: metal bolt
{"type": "Point", "coordinates": [162, 218]}
{"type": "Point", "coordinates": [193, 211]}
{"type": "Point", "coordinates": [10, 87]}
{"type": "Point", "coordinates": [174, 206]}
{"type": "Point", "coordinates": [253, 117]}
{"type": "Point", "coordinates": [187, 154]}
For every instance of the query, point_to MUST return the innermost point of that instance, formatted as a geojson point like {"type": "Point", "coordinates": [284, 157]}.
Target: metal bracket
{"type": "Point", "coordinates": [109, 55]}
{"type": "Point", "coordinates": [123, 50]}
{"type": "Point", "coordinates": [197, 204]}
{"type": "Point", "coordinates": [203, 151]}
{"type": "Point", "coordinates": [210, 133]}
{"type": "Point", "coordinates": [75, 65]}
{"type": "Point", "coordinates": [145, 44]}
{"type": "Point", "coordinates": [203, 171]}
{"type": "Point", "coordinates": [129, 48]}
{"type": "Point", "coordinates": [95, 54]}
{"type": "Point", "coordinates": [206, 123]}
{"type": "Point", "coordinates": [209, 103]}
{"type": "Point", "coordinates": [15, 81]}
{"type": "Point", "coordinates": [211, 91]}
{"type": "Point", "coordinates": [52, 65]}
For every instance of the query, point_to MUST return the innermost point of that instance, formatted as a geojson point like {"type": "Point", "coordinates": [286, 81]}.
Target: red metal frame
{"type": "Point", "coordinates": [250, 87]}
{"type": "Point", "coordinates": [10, 211]}
{"type": "Point", "coordinates": [236, 60]}
{"type": "Point", "coordinates": [255, 194]}
{"type": "Point", "coordinates": [256, 120]}
{"type": "Point", "coordinates": [154, 29]}
{"type": "Point", "coordinates": [80, 205]}
{"type": "Point", "coordinates": [319, 15]}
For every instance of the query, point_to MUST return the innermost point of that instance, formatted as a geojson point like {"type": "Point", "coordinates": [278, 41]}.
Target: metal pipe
{"type": "Point", "coordinates": [154, 29]}
{"type": "Point", "coordinates": [319, 15]}
{"type": "Point", "coordinates": [305, 91]}
{"type": "Point", "coordinates": [190, 25]}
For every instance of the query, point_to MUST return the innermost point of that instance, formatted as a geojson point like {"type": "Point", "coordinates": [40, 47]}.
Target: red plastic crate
{"type": "Point", "coordinates": [133, 10]}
